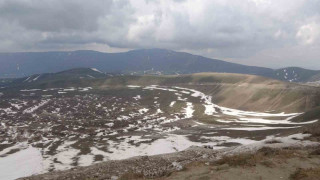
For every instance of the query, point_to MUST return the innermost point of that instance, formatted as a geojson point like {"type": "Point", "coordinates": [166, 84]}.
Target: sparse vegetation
{"type": "Point", "coordinates": [131, 175]}
{"type": "Point", "coordinates": [306, 174]}
{"type": "Point", "coordinates": [240, 160]}
{"type": "Point", "coordinates": [81, 125]}
{"type": "Point", "coordinates": [262, 156]}
{"type": "Point", "coordinates": [272, 141]}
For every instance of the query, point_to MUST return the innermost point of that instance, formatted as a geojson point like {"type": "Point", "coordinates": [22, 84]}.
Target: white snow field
{"type": "Point", "coordinates": [26, 162]}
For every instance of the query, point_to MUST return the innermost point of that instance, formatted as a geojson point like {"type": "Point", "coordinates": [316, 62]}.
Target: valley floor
{"type": "Point", "coordinates": [89, 133]}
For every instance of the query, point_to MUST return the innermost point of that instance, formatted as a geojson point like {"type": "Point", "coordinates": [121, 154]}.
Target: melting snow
{"type": "Point", "coordinates": [36, 78]}
{"type": "Point", "coordinates": [258, 128]}
{"type": "Point", "coordinates": [137, 97]}
{"type": "Point", "coordinates": [25, 162]}
{"type": "Point", "coordinates": [172, 103]}
{"type": "Point", "coordinates": [94, 69]}
{"type": "Point", "coordinates": [133, 86]}
{"type": "Point", "coordinates": [189, 110]}
{"type": "Point", "coordinates": [33, 108]}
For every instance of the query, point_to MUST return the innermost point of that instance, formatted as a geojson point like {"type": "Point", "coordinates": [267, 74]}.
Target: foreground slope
{"type": "Point", "coordinates": [295, 157]}
{"type": "Point", "coordinates": [293, 160]}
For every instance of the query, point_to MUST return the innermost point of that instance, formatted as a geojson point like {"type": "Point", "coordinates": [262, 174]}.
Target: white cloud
{"type": "Point", "coordinates": [309, 33]}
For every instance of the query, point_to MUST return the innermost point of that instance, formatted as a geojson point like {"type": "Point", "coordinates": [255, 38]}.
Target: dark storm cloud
{"type": "Point", "coordinates": [240, 31]}
{"type": "Point", "coordinates": [55, 15]}
{"type": "Point", "coordinates": [29, 24]}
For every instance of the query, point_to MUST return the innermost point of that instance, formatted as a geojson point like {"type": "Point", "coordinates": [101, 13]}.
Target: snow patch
{"type": "Point", "coordinates": [96, 70]}
{"type": "Point", "coordinates": [25, 162]}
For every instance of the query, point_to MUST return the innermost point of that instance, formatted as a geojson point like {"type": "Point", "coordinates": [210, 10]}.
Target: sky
{"type": "Point", "coordinates": [269, 33]}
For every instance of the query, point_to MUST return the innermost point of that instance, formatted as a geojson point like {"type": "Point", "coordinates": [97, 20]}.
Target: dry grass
{"type": "Point", "coordinates": [314, 130]}
{"type": "Point", "coordinates": [251, 92]}
{"type": "Point", "coordinates": [306, 174]}
{"type": "Point", "coordinates": [315, 152]}
{"type": "Point", "coordinates": [268, 163]}
{"type": "Point", "coordinates": [272, 141]}
{"type": "Point", "coordinates": [261, 156]}
{"type": "Point", "coordinates": [131, 175]}
{"type": "Point", "coordinates": [240, 160]}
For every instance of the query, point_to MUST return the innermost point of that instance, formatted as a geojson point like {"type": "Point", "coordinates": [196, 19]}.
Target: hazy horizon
{"type": "Point", "coordinates": [280, 67]}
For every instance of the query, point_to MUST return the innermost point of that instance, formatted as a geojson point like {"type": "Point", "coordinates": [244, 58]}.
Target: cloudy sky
{"type": "Point", "coordinates": [271, 33]}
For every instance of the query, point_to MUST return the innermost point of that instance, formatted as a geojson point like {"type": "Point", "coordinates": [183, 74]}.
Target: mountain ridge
{"type": "Point", "coordinates": [142, 61]}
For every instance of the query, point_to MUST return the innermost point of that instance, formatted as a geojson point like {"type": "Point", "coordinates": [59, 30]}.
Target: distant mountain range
{"type": "Point", "coordinates": [146, 61]}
